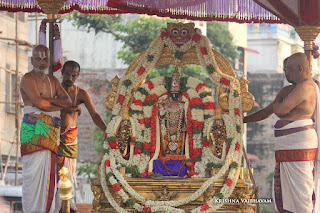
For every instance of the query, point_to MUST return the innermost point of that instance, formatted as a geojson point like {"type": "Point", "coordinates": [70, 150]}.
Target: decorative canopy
{"type": "Point", "coordinates": [294, 12]}
{"type": "Point", "coordinates": [240, 11]}
{"type": "Point", "coordinates": [83, 6]}
{"type": "Point", "coordinates": [206, 10]}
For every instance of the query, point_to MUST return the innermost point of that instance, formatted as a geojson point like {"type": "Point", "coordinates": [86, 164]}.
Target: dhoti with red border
{"type": "Point", "coordinates": [296, 146]}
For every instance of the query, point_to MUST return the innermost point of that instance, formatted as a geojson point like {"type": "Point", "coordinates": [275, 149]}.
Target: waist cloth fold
{"type": "Point", "coordinates": [39, 134]}
{"type": "Point", "coordinates": [296, 144]}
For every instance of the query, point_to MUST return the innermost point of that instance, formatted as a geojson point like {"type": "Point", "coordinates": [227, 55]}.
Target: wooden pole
{"type": "Point", "coordinates": [17, 103]}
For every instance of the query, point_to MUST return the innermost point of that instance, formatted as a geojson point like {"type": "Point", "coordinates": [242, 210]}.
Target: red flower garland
{"type": "Point", "coordinates": [150, 84]}
{"type": "Point", "coordinates": [204, 51]}
{"type": "Point", "coordinates": [237, 146]}
{"type": "Point", "coordinates": [186, 95]}
{"type": "Point", "coordinates": [195, 101]}
{"type": "Point", "coordinates": [196, 152]}
{"type": "Point", "coordinates": [236, 111]}
{"type": "Point", "coordinates": [200, 85]}
{"type": "Point", "coordinates": [197, 124]}
{"type": "Point", "coordinates": [141, 70]}
{"type": "Point", "coordinates": [146, 209]}
{"type": "Point", "coordinates": [137, 102]}
{"type": "Point", "coordinates": [137, 151]}
{"type": "Point", "coordinates": [107, 163]}
{"type": "Point", "coordinates": [120, 99]}
{"type": "Point", "coordinates": [227, 150]}
{"type": "Point", "coordinates": [163, 35]}
{"type": "Point", "coordinates": [196, 37]}
{"type": "Point", "coordinates": [153, 130]}
{"type": "Point", "coordinates": [228, 182]}
{"type": "Point", "coordinates": [209, 105]}
{"type": "Point", "coordinates": [205, 143]}
{"type": "Point", "coordinates": [225, 81]}
{"type": "Point", "coordinates": [116, 187]}
{"type": "Point", "coordinates": [113, 144]}
{"type": "Point", "coordinates": [151, 97]}
{"type": "Point", "coordinates": [204, 207]}
{"type": "Point", "coordinates": [146, 146]}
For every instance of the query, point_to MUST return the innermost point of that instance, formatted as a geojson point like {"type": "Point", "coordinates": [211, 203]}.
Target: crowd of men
{"type": "Point", "coordinates": [48, 130]}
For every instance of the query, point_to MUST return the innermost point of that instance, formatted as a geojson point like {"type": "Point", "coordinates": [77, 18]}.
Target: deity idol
{"type": "Point", "coordinates": [172, 124]}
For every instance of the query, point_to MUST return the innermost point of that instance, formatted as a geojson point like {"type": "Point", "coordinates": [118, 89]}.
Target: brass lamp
{"type": "Point", "coordinates": [64, 184]}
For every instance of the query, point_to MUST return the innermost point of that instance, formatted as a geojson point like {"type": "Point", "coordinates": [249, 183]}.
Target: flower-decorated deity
{"type": "Point", "coordinates": [172, 124]}
{"type": "Point", "coordinates": [172, 120]}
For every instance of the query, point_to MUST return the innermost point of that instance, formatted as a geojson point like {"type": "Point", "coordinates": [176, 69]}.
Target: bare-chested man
{"type": "Point", "coordinates": [68, 139]}
{"type": "Point", "coordinates": [296, 140]}
{"type": "Point", "coordinates": [268, 111]}
{"type": "Point", "coordinates": [43, 98]}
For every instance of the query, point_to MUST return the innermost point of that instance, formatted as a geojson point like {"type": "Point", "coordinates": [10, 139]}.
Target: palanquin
{"type": "Point", "coordinates": [174, 144]}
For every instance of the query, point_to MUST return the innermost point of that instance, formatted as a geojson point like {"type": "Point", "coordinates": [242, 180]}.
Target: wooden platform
{"type": "Point", "coordinates": [166, 189]}
{"type": "Point", "coordinates": [84, 207]}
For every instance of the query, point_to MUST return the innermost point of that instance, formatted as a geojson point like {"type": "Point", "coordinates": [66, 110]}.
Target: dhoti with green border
{"type": "Point", "coordinates": [39, 147]}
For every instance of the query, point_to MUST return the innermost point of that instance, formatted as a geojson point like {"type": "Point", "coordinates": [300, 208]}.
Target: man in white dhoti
{"type": "Point", "coordinates": [296, 140]}
{"type": "Point", "coordinates": [43, 97]}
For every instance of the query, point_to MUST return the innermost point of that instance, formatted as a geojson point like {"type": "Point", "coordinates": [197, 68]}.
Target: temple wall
{"type": "Point", "coordinates": [264, 87]}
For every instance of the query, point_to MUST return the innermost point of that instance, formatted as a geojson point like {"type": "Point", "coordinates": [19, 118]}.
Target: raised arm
{"type": "Point", "coordinates": [268, 111]}
{"type": "Point", "coordinates": [97, 119]}
{"type": "Point", "coordinates": [28, 86]}
{"type": "Point", "coordinates": [62, 99]}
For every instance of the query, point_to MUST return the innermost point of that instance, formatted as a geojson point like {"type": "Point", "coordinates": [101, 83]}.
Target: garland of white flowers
{"type": "Point", "coordinates": [113, 159]}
